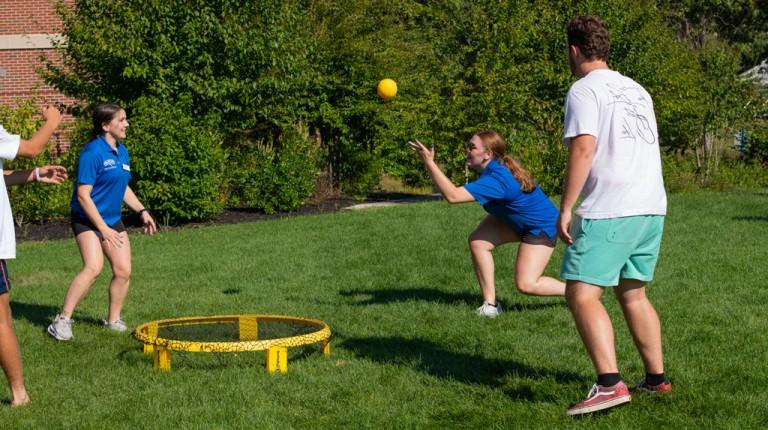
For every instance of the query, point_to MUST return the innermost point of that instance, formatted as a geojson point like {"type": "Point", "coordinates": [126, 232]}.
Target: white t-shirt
{"type": "Point", "coordinates": [625, 178]}
{"type": "Point", "coordinates": [9, 147]}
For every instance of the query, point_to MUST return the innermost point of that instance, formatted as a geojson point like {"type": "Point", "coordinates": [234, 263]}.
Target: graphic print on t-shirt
{"type": "Point", "coordinates": [636, 106]}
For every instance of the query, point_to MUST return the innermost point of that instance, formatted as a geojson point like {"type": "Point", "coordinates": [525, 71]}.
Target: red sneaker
{"type": "Point", "coordinates": [600, 398]}
{"type": "Point", "coordinates": [643, 387]}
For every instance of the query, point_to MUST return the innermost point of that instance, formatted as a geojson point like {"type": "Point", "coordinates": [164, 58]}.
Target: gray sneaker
{"type": "Point", "coordinates": [490, 311]}
{"type": "Point", "coordinates": [61, 328]}
{"type": "Point", "coordinates": [117, 325]}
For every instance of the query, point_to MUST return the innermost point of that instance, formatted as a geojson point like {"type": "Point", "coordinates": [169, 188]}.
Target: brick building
{"type": "Point", "coordinates": [27, 31]}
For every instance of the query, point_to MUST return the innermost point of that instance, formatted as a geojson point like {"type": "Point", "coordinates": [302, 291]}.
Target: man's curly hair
{"type": "Point", "coordinates": [590, 34]}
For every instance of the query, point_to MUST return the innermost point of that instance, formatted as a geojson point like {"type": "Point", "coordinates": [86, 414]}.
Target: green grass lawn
{"type": "Point", "coordinates": [397, 288]}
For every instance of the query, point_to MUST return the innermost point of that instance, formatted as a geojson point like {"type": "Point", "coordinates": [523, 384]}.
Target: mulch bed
{"type": "Point", "coordinates": [60, 229]}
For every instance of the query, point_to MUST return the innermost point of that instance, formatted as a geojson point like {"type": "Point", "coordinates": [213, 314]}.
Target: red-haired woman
{"type": "Point", "coordinates": [518, 211]}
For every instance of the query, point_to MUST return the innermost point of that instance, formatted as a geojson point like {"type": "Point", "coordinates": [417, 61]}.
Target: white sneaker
{"type": "Point", "coordinates": [488, 310]}
{"type": "Point", "coordinates": [61, 328]}
{"type": "Point", "coordinates": [117, 325]}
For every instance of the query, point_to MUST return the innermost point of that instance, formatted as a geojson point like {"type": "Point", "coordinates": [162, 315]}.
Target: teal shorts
{"type": "Point", "coordinates": [606, 250]}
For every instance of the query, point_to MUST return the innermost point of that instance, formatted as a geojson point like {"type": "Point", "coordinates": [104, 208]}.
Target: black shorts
{"type": "Point", "coordinates": [5, 283]}
{"type": "Point", "coordinates": [539, 239]}
{"type": "Point", "coordinates": [80, 225]}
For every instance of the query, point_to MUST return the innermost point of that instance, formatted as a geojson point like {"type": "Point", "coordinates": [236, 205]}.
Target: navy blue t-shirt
{"type": "Point", "coordinates": [109, 171]}
{"type": "Point", "coordinates": [500, 194]}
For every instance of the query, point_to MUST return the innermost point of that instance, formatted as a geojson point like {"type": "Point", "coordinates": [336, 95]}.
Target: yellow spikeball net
{"type": "Point", "coordinates": [232, 333]}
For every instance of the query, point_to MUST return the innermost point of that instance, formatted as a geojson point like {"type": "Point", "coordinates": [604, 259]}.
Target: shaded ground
{"type": "Point", "coordinates": [60, 229]}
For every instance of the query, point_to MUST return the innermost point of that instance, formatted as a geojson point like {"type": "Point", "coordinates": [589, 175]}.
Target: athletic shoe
{"type": "Point", "coordinates": [61, 328]}
{"type": "Point", "coordinates": [643, 387]}
{"type": "Point", "coordinates": [600, 398]}
{"type": "Point", "coordinates": [490, 311]}
{"type": "Point", "coordinates": [117, 325]}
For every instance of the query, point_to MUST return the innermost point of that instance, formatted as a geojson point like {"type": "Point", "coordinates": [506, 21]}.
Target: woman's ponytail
{"type": "Point", "coordinates": [495, 144]}
{"type": "Point", "coordinates": [526, 181]}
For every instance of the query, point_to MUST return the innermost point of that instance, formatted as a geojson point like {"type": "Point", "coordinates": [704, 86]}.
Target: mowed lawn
{"type": "Point", "coordinates": [397, 288]}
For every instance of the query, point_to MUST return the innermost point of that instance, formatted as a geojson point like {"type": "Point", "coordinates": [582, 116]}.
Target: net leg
{"type": "Point", "coordinates": [277, 359]}
{"type": "Point", "coordinates": [151, 330]}
{"type": "Point", "coordinates": [326, 347]}
{"type": "Point", "coordinates": [163, 359]}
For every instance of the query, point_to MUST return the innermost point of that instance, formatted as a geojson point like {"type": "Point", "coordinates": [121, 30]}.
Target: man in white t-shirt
{"type": "Point", "coordinates": [12, 146]}
{"type": "Point", "coordinates": [614, 166]}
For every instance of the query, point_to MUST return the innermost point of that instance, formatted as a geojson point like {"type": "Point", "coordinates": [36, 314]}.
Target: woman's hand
{"type": "Point", "coordinates": [427, 154]}
{"type": "Point", "coordinates": [149, 224]}
{"type": "Point", "coordinates": [112, 238]}
{"type": "Point", "coordinates": [52, 174]}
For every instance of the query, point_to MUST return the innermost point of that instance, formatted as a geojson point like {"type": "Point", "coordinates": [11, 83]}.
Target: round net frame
{"type": "Point", "coordinates": [232, 333]}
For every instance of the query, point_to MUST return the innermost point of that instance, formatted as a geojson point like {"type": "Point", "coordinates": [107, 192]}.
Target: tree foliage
{"type": "Point", "coordinates": [742, 24]}
{"type": "Point", "coordinates": [270, 71]}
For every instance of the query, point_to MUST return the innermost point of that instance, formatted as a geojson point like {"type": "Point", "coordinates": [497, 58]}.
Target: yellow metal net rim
{"type": "Point", "coordinates": [143, 333]}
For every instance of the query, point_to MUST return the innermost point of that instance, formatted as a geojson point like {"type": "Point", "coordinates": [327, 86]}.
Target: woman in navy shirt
{"type": "Point", "coordinates": [518, 211]}
{"type": "Point", "coordinates": [103, 173]}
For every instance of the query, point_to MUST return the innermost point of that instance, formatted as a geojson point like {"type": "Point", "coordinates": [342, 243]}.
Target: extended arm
{"type": "Point", "coordinates": [45, 174]}
{"type": "Point", "coordinates": [452, 193]}
{"type": "Point", "coordinates": [577, 170]}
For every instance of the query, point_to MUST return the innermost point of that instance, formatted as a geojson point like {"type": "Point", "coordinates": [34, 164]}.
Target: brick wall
{"type": "Point", "coordinates": [30, 16]}
{"type": "Point", "coordinates": [25, 29]}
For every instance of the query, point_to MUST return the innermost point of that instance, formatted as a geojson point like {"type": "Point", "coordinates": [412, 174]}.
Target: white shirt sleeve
{"type": "Point", "coordinates": [9, 144]}
{"type": "Point", "coordinates": [581, 113]}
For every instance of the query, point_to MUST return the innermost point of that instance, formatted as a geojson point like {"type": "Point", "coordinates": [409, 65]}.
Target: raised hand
{"type": "Point", "coordinates": [427, 154]}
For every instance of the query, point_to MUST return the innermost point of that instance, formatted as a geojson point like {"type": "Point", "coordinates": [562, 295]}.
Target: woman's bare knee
{"type": "Point", "coordinates": [122, 273]}
{"type": "Point", "coordinates": [90, 272]}
{"type": "Point", "coordinates": [526, 286]}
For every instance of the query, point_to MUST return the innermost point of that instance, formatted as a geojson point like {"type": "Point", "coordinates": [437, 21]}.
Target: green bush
{"type": "Point", "coordinates": [272, 174]}
{"type": "Point", "coordinates": [738, 174]}
{"type": "Point", "coordinates": [757, 146]}
{"type": "Point", "coordinates": [681, 174]}
{"type": "Point", "coordinates": [176, 162]}
{"type": "Point", "coordinates": [33, 202]}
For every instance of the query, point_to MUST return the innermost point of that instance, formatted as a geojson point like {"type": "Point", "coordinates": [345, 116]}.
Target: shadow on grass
{"type": "Point", "coordinates": [373, 297]}
{"type": "Point", "coordinates": [431, 358]}
{"type": "Point", "coordinates": [41, 315]}
{"type": "Point", "coordinates": [751, 218]}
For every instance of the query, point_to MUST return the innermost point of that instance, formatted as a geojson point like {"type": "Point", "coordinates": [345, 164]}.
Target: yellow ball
{"type": "Point", "coordinates": [387, 89]}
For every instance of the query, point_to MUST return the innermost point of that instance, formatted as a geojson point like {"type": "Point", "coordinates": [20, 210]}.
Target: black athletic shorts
{"type": "Point", "coordinates": [5, 284]}
{"type": "Point", "coordinates": [80, 225]}
{"type": "Point", "coordinates": [539, 239]}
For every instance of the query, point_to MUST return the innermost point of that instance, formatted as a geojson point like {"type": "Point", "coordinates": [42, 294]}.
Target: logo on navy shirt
{"type": "Point", "coordinates": [109, 164]}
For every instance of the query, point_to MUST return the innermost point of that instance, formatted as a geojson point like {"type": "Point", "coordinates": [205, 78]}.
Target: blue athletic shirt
{"type": "Point", "coordinates": [500, 194]}
{"type": "Point", "coordinates": [109, 171]}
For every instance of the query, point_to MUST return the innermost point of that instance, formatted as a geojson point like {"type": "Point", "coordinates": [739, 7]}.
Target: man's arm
{"type": "Point", "coordinates": [582, 151]}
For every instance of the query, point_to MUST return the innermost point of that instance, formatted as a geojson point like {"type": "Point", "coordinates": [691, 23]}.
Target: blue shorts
{"type": "Point", "coordinates": [607, 250]}
{"type": "Point", "coordinates": [5, 283]}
